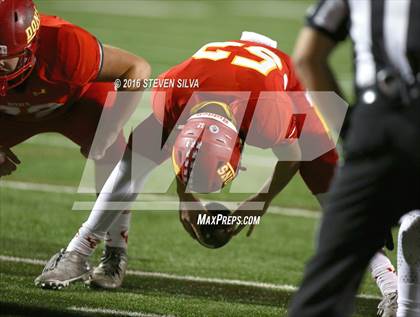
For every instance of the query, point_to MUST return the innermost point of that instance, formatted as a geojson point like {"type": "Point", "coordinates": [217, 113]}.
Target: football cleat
{"type": "Point", "coordinates": [110, 272]}
{"type": "Point", "coordinates": [62, 269]}
{"type": "Point", "coordinates": [388, 305]}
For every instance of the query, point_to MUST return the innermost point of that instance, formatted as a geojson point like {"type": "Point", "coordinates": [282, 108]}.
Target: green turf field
{"type": "Point", "coordinates": [170, 274]}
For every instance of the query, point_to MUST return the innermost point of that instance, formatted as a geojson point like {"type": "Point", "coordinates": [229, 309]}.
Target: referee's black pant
{"type": "Point", "coordinates": [379, 182]}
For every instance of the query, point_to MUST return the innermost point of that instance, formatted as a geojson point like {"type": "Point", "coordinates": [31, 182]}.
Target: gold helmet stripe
{"type": "Point", "coordinates": [222, 105]}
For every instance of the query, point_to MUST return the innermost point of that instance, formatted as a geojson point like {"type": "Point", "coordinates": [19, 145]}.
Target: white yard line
{"type": "Point", "coordinates": [171, 204]}
{"type": "Point", "coordinates": [6, 258]}
{"type": "Point", "coordinates": [113, 312]}
{"type": "Point", "coordinates": [188, 278]}
{"type": "Point", "coordinates": [61, 189]}
{"type": "Point", "coordinates": [295, 212]}
{"type": "Point", "coordinates": [218, 281]}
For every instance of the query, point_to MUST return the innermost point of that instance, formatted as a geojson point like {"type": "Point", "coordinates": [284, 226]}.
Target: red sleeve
{"type": "Point", "coordinates": [79, 55]}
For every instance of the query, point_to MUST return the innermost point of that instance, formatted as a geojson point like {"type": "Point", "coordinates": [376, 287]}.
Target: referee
{"type": "Point", "coordinates": [380, 179]}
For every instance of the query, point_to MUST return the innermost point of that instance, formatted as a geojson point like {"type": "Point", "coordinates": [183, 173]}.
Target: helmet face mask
{"type": "Point", "coordinates": [206, 153]}
{"type": "Point", "coordinates": [20, 23]}
{"type": "Point", "coordinates": [8, 65]}
{"type": "Point", "coordinates": [24, 65]}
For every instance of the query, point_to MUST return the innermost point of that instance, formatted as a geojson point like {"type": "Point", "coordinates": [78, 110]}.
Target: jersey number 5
{"type": "Point", "coordinates": [270, 61]}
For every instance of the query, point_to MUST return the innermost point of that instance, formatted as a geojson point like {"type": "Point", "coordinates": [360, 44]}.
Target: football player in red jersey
{"type": "Point", "coordinates": [236, 102]}
{"type": "Point", "coordinates": [250, 88]}
{"type": "Point", "coordinates": [55, 77]}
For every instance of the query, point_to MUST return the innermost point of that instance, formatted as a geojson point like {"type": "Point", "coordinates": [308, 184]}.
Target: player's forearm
{"type": "Point", "coordinates": [127, 71]}
{"type": "Point", "coordinates": [317, 75]}
{"type": "Point", "coordinates": [310, 58]}
{"type": "Point", "coordinates": [138, 71]}
{"type": "Point", "coordinates": [186, 199]}
{"type": "Point", "coordinates": [289, 156]}
{"type": "Point", "coordinates": [283, 173]}
{"type": "Point", "coordinates": [128, 98]}
{"type": "Point", "coordinates": [119, 64]}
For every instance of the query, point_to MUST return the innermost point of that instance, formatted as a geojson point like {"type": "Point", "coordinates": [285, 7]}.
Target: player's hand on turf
{"type": "Point", "coordinates": [8, 161]}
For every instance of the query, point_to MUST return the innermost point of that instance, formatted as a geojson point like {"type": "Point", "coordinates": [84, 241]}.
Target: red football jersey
{"type": "Point", "coordinates": [68, 59]}
{"type": "Point", "coordinates": [246, 75]}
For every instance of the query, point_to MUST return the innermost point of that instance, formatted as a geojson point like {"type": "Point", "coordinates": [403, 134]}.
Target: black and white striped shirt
{"type": "Point", "coordinates": [385, 33]}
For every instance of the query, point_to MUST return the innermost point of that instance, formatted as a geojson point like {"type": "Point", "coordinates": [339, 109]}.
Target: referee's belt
{"type": "Point", "coordinates": [392, 88]}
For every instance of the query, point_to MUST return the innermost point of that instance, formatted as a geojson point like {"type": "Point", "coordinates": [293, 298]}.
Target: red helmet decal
{"type": "Point", "coordinates": [207, 152]}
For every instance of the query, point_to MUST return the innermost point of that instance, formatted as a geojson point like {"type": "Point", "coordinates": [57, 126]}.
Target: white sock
{"type": "Point", "coordinates": [409, 266]}
{"type": "Point", "coordinates": [117, 195]}
{"type": "Point", "coordinates": [383, 272]}
{"type": "Point", "coordinates": [117, 235]}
